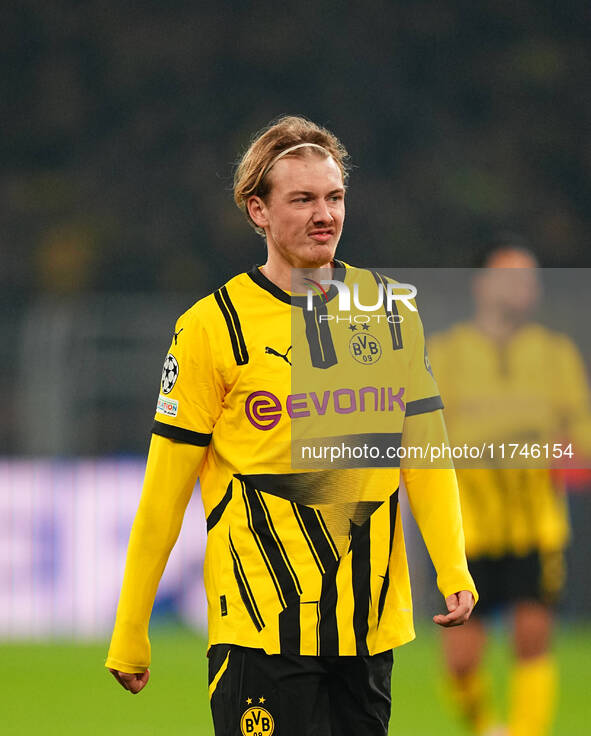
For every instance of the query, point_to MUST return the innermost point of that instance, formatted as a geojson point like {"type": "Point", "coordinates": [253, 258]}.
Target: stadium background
{"type": "Point", "coordinates": [120, 126]}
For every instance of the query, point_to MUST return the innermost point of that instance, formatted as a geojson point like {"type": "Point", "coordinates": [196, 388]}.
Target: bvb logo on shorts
{"type": "Point", "coordinates": [365, 348]}
{"type": "Point", "coordinates": [257, 721]}
{"type": "Point", "coordinates": [170, 372]}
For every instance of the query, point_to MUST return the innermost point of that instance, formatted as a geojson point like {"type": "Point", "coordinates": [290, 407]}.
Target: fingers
{"type": "Point", "coordinates": [455, 618]}
{"type": "Point", "coordinates": [452, 602]}
{"type": "Point", "coordinates": [134, 683]}
{"type": "Point", "coordinates": [460, 607]}
{"type": "Point", "coordinates": [117, 676]}
{"type": "Point", "coordinates": [467, 599]}
{"type": "Point", "coordinates": [142, 680]}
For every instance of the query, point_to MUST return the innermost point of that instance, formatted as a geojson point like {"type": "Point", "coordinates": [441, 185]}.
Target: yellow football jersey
{"type": "Point", "coordinates": [533, 388]}
{"type": "Point", "coordinates": [305, 559]}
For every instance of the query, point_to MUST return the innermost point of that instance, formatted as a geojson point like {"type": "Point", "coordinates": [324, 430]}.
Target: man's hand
{"type": "Point", "coordinates": [132, 682]}
{"type": "Point", "coordinates": [460, 607]}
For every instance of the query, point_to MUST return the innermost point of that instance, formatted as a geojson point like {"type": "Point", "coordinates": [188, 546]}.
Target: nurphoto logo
{"type": "Point", "coordinates": [392, 294]}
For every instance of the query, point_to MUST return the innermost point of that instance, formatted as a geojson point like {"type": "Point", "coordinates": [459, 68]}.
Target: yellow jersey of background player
{"type": "Point", "coordinates": [507, 378]}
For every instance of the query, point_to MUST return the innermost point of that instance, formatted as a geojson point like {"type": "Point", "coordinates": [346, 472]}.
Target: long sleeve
{"type": "Point", "coordinates": [171, 473]}
{"type": "Point", "coordinates": [435, 504]}
{"type": "Point", "coordinates": [572, 398]}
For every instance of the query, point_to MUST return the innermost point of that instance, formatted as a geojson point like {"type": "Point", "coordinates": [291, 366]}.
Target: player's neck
{"type": "Point", "coordinates": [291, 279]}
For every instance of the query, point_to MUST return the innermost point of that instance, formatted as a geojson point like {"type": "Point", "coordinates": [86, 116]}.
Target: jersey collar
{"type": "Point", "coordinates": [339, 274]}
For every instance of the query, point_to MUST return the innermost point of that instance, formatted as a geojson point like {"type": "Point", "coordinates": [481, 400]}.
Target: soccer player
{"type": "Point", "coordinates": [305, 570]}
{"type": "Point", "coordinates": [505, 374]}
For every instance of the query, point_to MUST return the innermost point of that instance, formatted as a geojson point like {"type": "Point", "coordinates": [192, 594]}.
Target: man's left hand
{"type": "Point", "coordinates": [460, 607]}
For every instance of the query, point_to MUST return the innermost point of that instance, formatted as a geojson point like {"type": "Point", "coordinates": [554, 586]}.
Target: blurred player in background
{"type": "Point", "coordinates": [504, 375]}
{"type": "Point", "coordinates": [305, 572]}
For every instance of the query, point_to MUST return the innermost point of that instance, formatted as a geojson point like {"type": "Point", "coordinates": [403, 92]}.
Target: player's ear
{"type": "Point", "coordinates": [257, 210]}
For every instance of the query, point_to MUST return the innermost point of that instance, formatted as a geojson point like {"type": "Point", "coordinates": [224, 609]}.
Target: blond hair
{"type": "Point", "coordinates": [298, 134]}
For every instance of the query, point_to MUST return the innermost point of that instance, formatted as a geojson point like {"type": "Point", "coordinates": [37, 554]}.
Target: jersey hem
{"type": "Point", "coordinates": [131, 669]}
{"type": "Point", "coordinates": [395, 642]}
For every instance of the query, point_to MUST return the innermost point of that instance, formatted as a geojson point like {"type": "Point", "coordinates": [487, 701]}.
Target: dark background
{"type": "Point", "coordinates": [120, 126]}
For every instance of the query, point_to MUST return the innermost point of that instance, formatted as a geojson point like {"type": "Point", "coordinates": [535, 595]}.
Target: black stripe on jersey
{"type": "Point", "coordinates": [289, 629]}
{"type": "Point", "coordinates": [391, 314]}
{"type": "Point", "coordinates": [386, 583]}
{"type": "Point", "coordinates": [318, 628]}
{"type": "Point", "coordinates": [318, 335]}
{"type": "Point", "coordinates": [245, 590]}
{"type": "Point", "coordinates": [528, 486]}
{"type": "Point", "coordinates": [181, 435]}
{"type": "Point", "coordinates": [216, 513]}
{"type": "Point", "coordinates": [423, 406]}
{"type": "Point", "coordinates": [361, 569]}
{"type": "Point", "coordinates": [326, 556]}
{"type": "Point", "coordinates": [327, 534]}
{"type": "Point", "coordinates": [261, 526]}
{"type": "Point", "coordinates": [233, 323]}
{"type": "Point", "coordinates": [503, 518]}
{"type": "Point", "coordinates": [328, 630]}
{"type": "Point", "coordinates": [316, 534]}
{"type": "Point", "coordinates": [279, 543]}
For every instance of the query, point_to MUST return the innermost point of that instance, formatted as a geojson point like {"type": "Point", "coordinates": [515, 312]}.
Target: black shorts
{"type": "Point", "coordinates": [503, 581]}
{"type": "Point", "coordinates": [257, 694]}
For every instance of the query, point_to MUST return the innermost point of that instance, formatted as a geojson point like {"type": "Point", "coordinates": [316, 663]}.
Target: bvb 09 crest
{"type": "Point", "coordinates": [365, 348]}
{"type": "Point", "coordinates": [257, 722]}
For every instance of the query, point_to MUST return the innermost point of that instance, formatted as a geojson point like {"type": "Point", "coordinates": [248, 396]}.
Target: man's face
{"type": "Point", "coordinates": [304, 211]}
{"type": "Point", "coordinates": [510, 285]}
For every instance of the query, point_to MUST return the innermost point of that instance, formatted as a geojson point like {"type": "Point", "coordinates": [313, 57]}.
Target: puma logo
{"type": "Point", "coordinates": [176, 334]}
{"type": "Point", "coordinates": [272, 351]}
